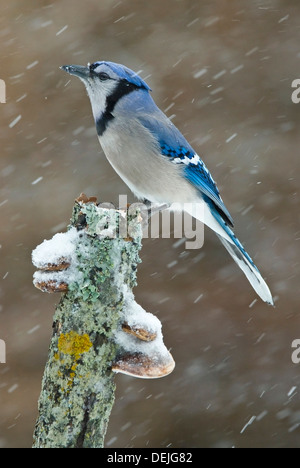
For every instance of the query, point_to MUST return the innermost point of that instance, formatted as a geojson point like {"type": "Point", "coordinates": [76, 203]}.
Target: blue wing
{"type": "Point", "coordinates": [174, 146]}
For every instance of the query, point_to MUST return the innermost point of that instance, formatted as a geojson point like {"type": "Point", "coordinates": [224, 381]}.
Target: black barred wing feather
{"type": "Point", "coordinates": [197, 174]}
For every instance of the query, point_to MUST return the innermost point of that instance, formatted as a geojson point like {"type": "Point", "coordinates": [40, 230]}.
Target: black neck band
{"type": "Point", "coordinates": [121, 90]}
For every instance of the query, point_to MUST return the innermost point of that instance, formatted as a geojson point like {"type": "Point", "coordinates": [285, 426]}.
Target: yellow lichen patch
{"type": "Point", "coordinates": [74, 344]}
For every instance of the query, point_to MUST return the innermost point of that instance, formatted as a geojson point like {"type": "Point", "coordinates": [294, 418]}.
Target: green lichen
{"type": "Point", "coordinates": [78, 385]}
{"type": "Point", "coordinates": [109, 255]}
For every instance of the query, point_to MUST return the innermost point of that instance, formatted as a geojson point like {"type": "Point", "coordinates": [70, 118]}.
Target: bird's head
{"type": "Point", "coordinates": [106, 83]}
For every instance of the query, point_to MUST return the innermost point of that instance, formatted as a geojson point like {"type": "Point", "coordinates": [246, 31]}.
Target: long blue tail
{"type": "Point", "coordinates": [241, 257]}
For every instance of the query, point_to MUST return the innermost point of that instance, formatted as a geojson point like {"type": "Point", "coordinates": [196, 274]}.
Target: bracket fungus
{"type": "Point", "coordinates": [55, 260]}
{"type": "Point", "coordinates": [140, 350]}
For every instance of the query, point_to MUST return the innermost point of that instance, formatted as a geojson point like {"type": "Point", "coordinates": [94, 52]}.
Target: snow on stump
{"type": "Point", "coordinates": [98, 328]}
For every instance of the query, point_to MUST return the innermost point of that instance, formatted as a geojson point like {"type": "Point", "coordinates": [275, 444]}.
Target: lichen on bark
{"type": "Point", "coordinates": [78, 384]}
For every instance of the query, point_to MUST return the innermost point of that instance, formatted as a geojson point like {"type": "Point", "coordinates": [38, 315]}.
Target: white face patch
{"type": "Point", "coordinates": [98, 92]}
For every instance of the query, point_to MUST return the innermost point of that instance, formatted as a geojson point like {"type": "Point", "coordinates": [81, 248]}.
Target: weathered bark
{"type": "Point", "coordinates": [78, 385]}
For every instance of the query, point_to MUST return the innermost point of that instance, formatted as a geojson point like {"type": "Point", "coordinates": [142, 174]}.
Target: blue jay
{"type": "Point", "coordinates": [153, 158]}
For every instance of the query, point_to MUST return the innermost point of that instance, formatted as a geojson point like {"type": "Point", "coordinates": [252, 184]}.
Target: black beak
{"type": "Point", "coordinates": [77, 70]}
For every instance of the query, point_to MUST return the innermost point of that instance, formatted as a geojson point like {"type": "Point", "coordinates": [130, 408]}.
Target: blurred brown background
{"type": "Point", "coordinates": [224, 72]}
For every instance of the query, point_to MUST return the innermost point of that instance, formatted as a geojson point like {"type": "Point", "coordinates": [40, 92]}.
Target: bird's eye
{"type": "Point", "coordinates": [103, 76]}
